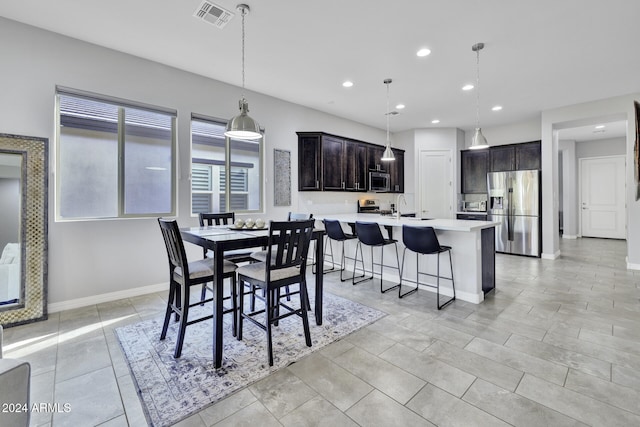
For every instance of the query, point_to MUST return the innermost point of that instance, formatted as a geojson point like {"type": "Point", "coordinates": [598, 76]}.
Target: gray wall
{"type": "Point", "coordinates": [89, 258]}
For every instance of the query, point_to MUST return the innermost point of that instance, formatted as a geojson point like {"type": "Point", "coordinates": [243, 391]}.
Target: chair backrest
{"type": "Point", "coordinates": [334, 229]}
{"type": "Point", "coordinates": [369, 233]}
{"type": "Point", "coordinates": [422, 240]}
{"type": "Point", "coordinates": [295, 216]}
{"type": "Point", "coordinates": [175, 246]}
{"type": "Point", "coordinates": [289, 244]}
{"type": "Point", "coordinates": [227, 218]}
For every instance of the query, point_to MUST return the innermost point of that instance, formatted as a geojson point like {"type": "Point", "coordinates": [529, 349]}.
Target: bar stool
{"type": "Point", "coordinates": [369, 234]}
{"type": "Point", "coordinates": [335, 232]}
{"type": "Point", "coordinates": [423, 241]}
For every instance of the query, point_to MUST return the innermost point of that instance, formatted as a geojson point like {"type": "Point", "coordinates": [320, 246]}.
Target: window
{"type": "Point", "coordinates": [114, 159]}
{"type": "Point", "coordinates": [212, 154]}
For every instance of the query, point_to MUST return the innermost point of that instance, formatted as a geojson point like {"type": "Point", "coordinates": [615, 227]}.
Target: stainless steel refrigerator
{"type": "Point", "coordinates": [514, 201]}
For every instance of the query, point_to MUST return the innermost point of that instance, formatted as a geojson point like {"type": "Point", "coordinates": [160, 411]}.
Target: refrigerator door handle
{"type": "Point", "coordinates": [510, 214]}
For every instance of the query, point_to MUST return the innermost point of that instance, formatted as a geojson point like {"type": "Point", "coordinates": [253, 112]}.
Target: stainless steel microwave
{"type": "Point", "coordinates": [379, 181]}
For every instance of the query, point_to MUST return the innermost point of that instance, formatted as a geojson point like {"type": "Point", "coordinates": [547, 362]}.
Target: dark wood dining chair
{"type": "Point", "coordinates": [227, 218]}
{"type": "Point", "coordinates": [183, 275]}
{"type": "Point", "coordinates": [285, 265]}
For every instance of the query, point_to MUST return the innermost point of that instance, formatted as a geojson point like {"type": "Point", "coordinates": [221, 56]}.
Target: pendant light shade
{"type": "Point", "coordinates": [388, 155]}
{"type": "Point", "coordinates": [478, 141]}
{"type": "Point", "coordinates": [243, 126]}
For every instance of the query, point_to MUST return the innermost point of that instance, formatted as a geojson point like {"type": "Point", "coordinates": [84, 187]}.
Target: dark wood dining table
{"type": "Point", "coordinates": [220, 239]}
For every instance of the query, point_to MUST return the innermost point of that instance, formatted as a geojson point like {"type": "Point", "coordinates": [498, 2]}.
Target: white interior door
{"type": "Point", "coordinates": [602, 197]}
{"type": "Point", "coordinates": [435, 186]}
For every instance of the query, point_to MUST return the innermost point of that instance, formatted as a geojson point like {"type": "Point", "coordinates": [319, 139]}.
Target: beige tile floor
{"type": "Point", "coordinates": [557, 344]}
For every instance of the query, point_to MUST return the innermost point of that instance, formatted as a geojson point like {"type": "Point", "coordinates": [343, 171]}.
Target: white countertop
{"type": "Point", "coordinates": [438, 224]}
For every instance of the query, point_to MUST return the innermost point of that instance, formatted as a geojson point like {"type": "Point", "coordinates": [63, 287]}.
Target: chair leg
{"type": "Point", "coordinates": [355, 266]}
{"type": "Point", "coordinates": [400, 294]}
{"type": "Point", "coordinates": [234, 304]}
{"type": "Point", "coordinates": [269, 319]}
{"type": "Point", "coordinates": [305, 316]}
{"type": "Point", "coordinates": [453, 298]}
{"type": "Point", "coordinates": [167, 315]}
{"type": "Point", "coordinates": [382, 268]}
{"type": "Point", "coordinates": [240, 314]}
{"type": "Point", "coordinates": [203, 293]}
{"type": "Point", "coordinates": [183, 322]}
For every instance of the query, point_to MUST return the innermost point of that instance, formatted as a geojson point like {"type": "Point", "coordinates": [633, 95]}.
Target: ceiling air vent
{"type": "Point", "coordinates": [213, 14]}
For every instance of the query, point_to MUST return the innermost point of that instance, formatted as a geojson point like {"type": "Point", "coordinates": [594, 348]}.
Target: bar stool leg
{"type": "Point", "coordinates": [452, 299]}
{"type": "Point", "coordinates": [382, 269]}
{"type": "Point", "coordinates": [355, 265]}
{"type": "Point", "coordinates": [400, 294]}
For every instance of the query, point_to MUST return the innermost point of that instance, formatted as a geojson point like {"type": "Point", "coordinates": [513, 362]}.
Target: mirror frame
{"type": "Point", "coordinates": [34, 219]}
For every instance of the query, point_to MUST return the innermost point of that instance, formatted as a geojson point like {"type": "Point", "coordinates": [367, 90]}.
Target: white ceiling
{"type": "Point", "coordinates": [538, 54]}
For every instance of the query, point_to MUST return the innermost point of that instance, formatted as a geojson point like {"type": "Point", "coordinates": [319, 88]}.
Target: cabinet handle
{"type": "Point", "coordinates": [317, 184]}
{"type": "Point", "coordinates": [343, 185]}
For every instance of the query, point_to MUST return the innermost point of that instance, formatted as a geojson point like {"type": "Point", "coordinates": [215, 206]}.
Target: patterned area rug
{"type": "Point", "coordinates": [172, 389]}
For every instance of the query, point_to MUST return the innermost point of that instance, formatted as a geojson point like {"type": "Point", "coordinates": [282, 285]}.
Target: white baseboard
{"type": "Point", "coordinates": [569, 236]}
{"type": "Point", "coordinates": [111, 296]}
{"type": "Point", "coordinates": [552, 256]}
{"type": "Point", "coordinates": [631, 266]}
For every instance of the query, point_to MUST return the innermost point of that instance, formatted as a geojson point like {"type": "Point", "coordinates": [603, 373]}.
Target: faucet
{"type": "Point", "coordinates": [400, 196]}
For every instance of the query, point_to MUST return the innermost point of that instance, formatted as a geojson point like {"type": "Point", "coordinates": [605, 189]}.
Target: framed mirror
{"type": "Point", "coordinates": [24, 164]}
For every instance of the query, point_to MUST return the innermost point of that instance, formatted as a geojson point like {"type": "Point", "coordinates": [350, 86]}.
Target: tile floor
{"type": "Point", "coordinates": [558, 344]}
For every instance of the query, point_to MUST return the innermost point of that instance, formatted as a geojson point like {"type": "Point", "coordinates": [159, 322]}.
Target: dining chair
{"type": "Point", "coordinates": [335, 232]}
{"type": "Point", "coordinates": [291, 216]}
{"type": "Point", "coordinates": [424, 241]}
{"type": "Point", "coordinates": [285, 265]}
{"type": "Point", "coordinates": [184, 274]}
{"type": "Point", "coordinates": [261, 255]}
{"type": "Point", "coordinates": [226, 218]}
{"type": "Point", "coordinates": [369, 234]}
{"type": "Point", "coordinates": [235, 256]}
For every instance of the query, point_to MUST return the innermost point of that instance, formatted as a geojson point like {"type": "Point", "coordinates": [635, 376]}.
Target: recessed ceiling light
{"type": "Point", "coordinates": [497, 108]}
{"type": "Point", "coordinates": [435, 121]}
{"type": "Point", "coordinates": [600, 127]}
{"type": "Point", "coordinates": [400, 106]}
{"type": "Point", "coordinates": [347, 83]}
{"type": "Point", "coordinates": [468, 86]}
{"type": "Point", "coordinates": [423, 52]}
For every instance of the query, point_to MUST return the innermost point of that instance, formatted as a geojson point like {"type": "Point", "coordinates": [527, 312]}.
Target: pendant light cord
{"type": "Point", "coordinates": [388, 141]}
{"type": "Point", "coordinates": [244, 13]}
{"type": "Point", "coordinates": [478, 88]}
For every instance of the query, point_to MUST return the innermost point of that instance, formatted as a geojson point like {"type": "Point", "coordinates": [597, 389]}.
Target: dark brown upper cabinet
{"type": "Point", "coordinates": [502, 158]}
{"type": "Point", "coordinates": [475, 165]}
{"type": "Point", "coordinates": [528, 156]}
{"type": "Point", "coordinates": [333, 163]}
{"type": "Point", "coordinates": [309, 163]}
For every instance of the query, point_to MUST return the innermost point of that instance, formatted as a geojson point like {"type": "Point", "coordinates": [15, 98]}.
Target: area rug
{"type": "Point", "coordinates": [173, 389]}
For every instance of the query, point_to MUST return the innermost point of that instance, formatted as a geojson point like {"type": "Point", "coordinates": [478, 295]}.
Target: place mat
{"type": "Point", "coordinates": [173, 389]}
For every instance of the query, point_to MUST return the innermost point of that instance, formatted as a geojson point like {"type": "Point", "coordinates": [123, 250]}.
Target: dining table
{"type": "Point", "coordinates": [221, 238]}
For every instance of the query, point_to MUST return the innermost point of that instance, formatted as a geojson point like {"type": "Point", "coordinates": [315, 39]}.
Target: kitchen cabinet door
{"type": "Point", "coordinates": [309, 163]}
{"type": "Point", "coordinates": [528, 156]}
{"type": "Point", "coordinates": [502, 158]}
{"type": "Point", "coordinates": [374, 156]}
{"type": "Point", "coordinates": [332, 164]}
{"type": "Point", "coordinates": [475, 165]}
{"type": "Point", "coordinates": [355, 166]}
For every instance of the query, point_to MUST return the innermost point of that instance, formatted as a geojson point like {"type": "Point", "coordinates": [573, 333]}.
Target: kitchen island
{"type": "Point", "coordinates": [472, 251]}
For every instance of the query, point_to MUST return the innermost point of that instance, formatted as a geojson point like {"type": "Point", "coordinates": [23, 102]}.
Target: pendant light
{"type": "Point", "coordinates": [478, 141]}
{"type": "Point", "coordinates": [388, 156]}
{"type": "Point", "coordinates": [243, 126]}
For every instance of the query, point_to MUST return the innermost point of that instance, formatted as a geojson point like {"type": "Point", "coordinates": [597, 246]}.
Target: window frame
{"type": "Point", "coordinates": [228, 164]}
{"type": "Point", "coordinates": [121, 104]}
